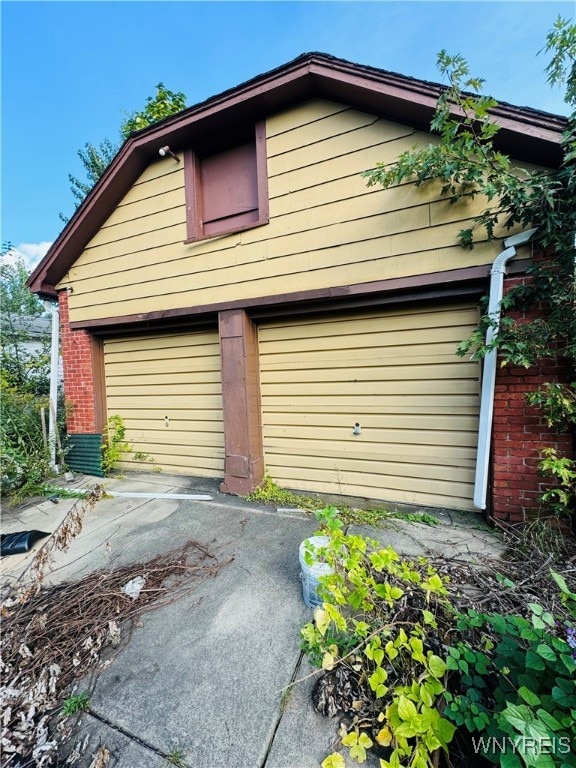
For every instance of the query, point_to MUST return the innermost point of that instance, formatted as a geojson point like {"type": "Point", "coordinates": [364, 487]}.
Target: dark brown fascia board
{"type": "Point", "coordinates": [454, 282]}
{"type": "Point", "coordinates": [526, 133]}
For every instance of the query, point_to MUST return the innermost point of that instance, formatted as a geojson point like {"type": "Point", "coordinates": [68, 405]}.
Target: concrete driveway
{"type": "Point", "coordinates": [206, 675]}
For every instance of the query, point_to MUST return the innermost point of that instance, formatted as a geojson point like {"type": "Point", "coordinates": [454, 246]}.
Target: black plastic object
{"type": "Point", "coordinates": [20, 542]}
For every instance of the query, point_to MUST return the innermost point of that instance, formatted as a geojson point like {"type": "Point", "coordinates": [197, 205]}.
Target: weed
{"type": "Point", "coordinates": [115, 446]}
{"type": "Point", "coordinates": [141, 456]}
{"type": "Point", "coordinates": [538, 536]}
{"type": "Point", "coordinates": [176, 757]}
{"type": "Point", "coordinates": [63, 493]}
{"type": "Point", "coordinates": [78, 702]}
{"type": "Point", "coordinates": [375, 517]}
{"type": "Point", "coordinates": [271, 493]}
{"type": "Point", "coordinates": [377, 637]}
{"type": "Point", "coordinates": [415, 517]}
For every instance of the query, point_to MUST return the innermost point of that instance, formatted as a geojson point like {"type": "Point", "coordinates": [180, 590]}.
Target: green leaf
{"type": "Point", "coordinates": [560, 697]}
{"type": "Point", "coordinates": [534, 662]}
{"type": "Point", "coordinates": [548, 619]}
{"type": "Point", "coordinates": [546, 652]}
{"type": "Point", "coordinates": [519, 717]}
{"type": "Point", "coordinates": [561, 582]}
{"type": "Point", "coordinates": [426, 696]}
{"type": "Point", "coordinates": [446, 730]}
{"type": "Point", "coordinates": [350, 739]}
{"type": "Point", "coordinates": [528, 696]}
{"type": "Point", "coordinates": [364, 740]}
{"type": "Point", "coordinates": [568, 686]}
{"type": "Point", "coordinates": [436, 666]}
{"type": "Point", "coordinates": [335, 760]}
{"type": "Point", "coordinates": [549, 720]}
{"type": "Point", "coordinates": [406, 708]}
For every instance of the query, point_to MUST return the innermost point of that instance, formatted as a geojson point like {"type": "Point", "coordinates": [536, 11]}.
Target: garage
{"type": "Point", "coordinates": [375, 404]}
{"type": "Point", "coordinates": [167, 388]}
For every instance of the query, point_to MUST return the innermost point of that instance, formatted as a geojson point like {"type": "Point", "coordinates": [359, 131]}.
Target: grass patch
{"type": "Point", "coordinates": [76, 703]}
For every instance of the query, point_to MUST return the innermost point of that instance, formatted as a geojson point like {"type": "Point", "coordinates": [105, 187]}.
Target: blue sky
{"type": "Point", "coordinates": [71, 69]}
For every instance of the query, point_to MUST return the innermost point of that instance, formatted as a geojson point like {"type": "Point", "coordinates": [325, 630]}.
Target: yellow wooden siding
{"type": "Point", "coordinates": [175, 375]}
{"type": "Point", "coordinates": [327, 228]}
{"type": "Point", "coordinates": [396, 374]}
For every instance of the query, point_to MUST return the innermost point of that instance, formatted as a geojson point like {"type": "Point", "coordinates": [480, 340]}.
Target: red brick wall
{"type": "Point", "coordinates": [519, 432]}
{"type": "Point", "coordinates": [78, 374]}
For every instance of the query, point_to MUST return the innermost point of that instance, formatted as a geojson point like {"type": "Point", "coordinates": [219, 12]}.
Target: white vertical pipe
{"type": "Point", "coordinates": [489, 370]}
{"type": "Point", "coordinates": [489, 378]}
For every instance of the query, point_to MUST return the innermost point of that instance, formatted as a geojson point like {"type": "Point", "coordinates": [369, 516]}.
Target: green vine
{"type": "Point", "coordinates": [115, 446]}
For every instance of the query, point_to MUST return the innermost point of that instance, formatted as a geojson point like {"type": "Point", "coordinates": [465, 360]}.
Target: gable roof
{"type": "Point", "coordinates": [525, 133]}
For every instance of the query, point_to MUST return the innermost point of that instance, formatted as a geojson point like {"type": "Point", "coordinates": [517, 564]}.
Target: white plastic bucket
{"type": "Point", "coordinates": [311, 573]}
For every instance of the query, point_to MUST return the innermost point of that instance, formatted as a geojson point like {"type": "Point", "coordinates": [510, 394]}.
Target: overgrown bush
{"type": "Point", "coordinates": [405, 667]}
{"type": "Point", "coordinates": [514, 684]}
{"type": "Point", "coordinates": [25, 460]}
{"type": "Point", "coordinates": [380, 635]}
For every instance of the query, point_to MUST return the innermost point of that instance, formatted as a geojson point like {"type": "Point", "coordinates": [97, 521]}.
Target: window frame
{"type": "Point", "coordinates": [193, 190]}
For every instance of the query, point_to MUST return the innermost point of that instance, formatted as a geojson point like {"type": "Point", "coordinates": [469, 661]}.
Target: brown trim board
{"type": "Point", "coordinates": [244, 453]}
{"type": "Point", "coordinates": [447, 284]}
{"type": "Point", "coordinates": [99, 377]}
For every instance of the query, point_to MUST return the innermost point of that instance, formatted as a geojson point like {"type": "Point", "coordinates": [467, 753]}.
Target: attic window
{"type": "Point", "coordinates": [226, 186]}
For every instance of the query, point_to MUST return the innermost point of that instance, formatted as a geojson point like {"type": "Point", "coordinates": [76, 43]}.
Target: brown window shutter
{"type": "Point", "coordinates": [229, 183]}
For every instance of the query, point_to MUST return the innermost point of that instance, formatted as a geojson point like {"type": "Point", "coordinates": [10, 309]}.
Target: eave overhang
{"type": "Point", "coordinates": [528, 135]}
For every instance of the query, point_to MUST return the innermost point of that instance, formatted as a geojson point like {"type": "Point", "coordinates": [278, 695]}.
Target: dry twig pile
{"type": "Point", "coordinates": [53, 634]}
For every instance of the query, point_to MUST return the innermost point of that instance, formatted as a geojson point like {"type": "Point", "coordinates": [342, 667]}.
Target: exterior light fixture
{"type": "Point", "coordinates": [167, 152]}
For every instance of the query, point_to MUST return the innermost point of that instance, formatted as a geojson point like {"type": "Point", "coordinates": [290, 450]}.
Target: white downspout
{"type": "Point", "coordinates": [489, 371]}
{"type": "Point", "coordinates": [54, 360]}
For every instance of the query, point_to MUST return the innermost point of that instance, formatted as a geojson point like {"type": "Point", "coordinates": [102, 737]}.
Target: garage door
{"type": "Point", "coordinates": [396, 375]}
{"type": "Point", "coordinates": [167, 388]}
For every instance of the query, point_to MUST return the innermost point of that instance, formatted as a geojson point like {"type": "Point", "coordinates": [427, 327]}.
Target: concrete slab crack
{"type": "Point", "coordinates": [136, 739]}
{"type": "Point", "coordinates": [281, 710]}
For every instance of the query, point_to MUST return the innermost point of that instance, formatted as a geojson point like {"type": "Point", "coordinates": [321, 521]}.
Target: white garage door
{"type": "Point", "coordinates": [396, 375]}
{"type": "Point", "coordinates": [167, 388]}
